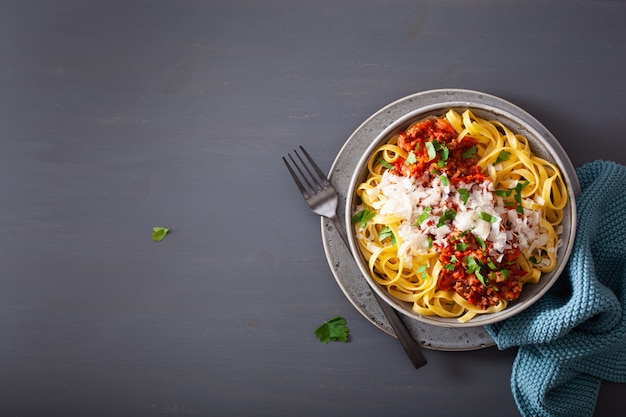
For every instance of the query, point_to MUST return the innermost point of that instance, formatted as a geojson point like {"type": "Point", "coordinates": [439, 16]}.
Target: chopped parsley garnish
{"type": "Point", "coordinates": [480, 278]}
{"type": "Point", "coordinates": [473, 267]}
{"type": "Point", "coordinates": [444, 180]}
{"type": "Point", "coordinates": [430, 149]}
{"type": "Point", "coordinates": [505, 274]}
{"type": "Point", "coordinates": [385, 164]}
{"type": "Point", "coordinates": [363, 216]}
{"type": "Point", "coordinates": [464, 193]}
{"type": "Point", "coordinates": [444, 153]}
{"type": "Point", "coordinates": [425, 215]}
{"type": "Point", "coordinates": [333, 330]}
{"type": "Point", "coordinates": [502, 156]}
{"type": "Point", "coordinates": [502, 193]}
{"type": "Point", "coordinates": [449, 267]}
{"type": "Point", "coordinates": [158, 233]}
{"type": "Point", "coordinates": [410, 159]}
{"type": "Point", "coordinates": [481, 243]}
{"type": "Point", "coordinates": [460, 246]}
{"type": "Point", "coordinates": [487, 217]}
{"type": "Point", "coordinates": [518, 196]}
{"type": "Point", "coordinates": [470, 153]}
{"type": "Point", "coordinates": [421, 270]}
{"type": "Point", "coordinates": [448, 215]}
{"type": "Point", "coordinates": [385, 233]}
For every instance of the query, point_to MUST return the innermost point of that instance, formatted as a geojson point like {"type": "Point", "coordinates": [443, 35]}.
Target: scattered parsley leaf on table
{"type": "Point", "coordinates": [158, 233]}
{"type": "Point", "coordinates": [334, 330]}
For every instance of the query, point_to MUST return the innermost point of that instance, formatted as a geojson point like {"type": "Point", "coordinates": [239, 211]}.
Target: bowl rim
{"type": "Point", "coordinates": [516, 120]}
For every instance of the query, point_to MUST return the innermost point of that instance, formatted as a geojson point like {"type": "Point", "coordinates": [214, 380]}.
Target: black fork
{"type": "Point", "coordinates": [322, 198]}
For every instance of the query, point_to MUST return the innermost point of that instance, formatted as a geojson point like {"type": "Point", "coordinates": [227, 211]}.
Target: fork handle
{"type": "Point", "coordinates": [411, 347]}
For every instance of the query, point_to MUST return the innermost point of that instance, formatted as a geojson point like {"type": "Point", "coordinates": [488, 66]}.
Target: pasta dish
{"type": "Point", "coordinates": [457, 214]}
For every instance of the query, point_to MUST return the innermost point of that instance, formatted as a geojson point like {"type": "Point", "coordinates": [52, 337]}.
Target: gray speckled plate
{"type": "Point", "coordinates": [342, 264]}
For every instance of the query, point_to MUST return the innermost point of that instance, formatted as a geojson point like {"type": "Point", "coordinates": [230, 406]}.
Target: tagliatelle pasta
{"type": "Point", "coordinates": [457, 214]}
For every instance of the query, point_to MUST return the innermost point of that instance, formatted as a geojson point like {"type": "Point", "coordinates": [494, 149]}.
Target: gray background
{"type": "Point", "coordinates": [117, 116]}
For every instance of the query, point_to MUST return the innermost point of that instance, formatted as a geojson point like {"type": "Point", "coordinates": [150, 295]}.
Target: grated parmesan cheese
{"type": "Point", "coordinates": [407, 199]}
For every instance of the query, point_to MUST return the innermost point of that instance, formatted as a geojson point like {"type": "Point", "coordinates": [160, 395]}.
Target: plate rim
{"type": "Point", "coordinates": [516, 117]}
{"type": "Point", "coordinates": [430, 336]}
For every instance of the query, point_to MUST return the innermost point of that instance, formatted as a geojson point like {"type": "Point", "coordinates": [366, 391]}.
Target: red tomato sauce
{"type": "Point", "coordinates": [434, 150]}
{"type": "Point", "coordinates": [475, 276]}
{"type": "Point", "coordinates": [459, 164]}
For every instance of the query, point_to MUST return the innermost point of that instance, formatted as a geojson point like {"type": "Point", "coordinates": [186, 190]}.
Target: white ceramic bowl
{"type": "Point", "coordinates": [543, 144]}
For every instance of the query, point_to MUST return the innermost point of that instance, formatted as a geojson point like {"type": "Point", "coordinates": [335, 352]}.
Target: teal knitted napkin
{"type": "Point", "coordinates": [575, 335]}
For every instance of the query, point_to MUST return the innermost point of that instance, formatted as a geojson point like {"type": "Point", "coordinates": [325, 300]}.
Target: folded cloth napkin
{"type": "Point", "coordinates": [575, 335]}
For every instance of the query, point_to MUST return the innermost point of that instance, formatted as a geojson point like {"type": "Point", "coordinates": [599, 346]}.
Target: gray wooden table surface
{"type": "Point", "coordinates": [117, 116]}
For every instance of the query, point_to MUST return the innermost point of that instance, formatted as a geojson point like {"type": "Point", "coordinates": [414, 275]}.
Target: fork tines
{"type": "Point", "coordinates": [316, 183]}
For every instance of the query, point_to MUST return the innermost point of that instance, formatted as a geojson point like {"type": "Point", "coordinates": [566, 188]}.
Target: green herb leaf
{"type": "Point", "coordinates": [518, 196]}
{"type": "Point", "coordinates": [464, 193]}
{"type": "Point", "coordinates": [491, 264]}
{"type": "Point", "coordinates": [471, 265]}
{"type": "Point", "coordinates": [444, 153]}
{"type": "Point", "coordinates": [502, 156]}
{"type": "Point", "coordinates": [333, 330]}
{"type": "Point", "coordinates": [453, 259]}
{"type": "Point", "coordinates": [430, 242]}
{"type": "Point", "coordinates": [487, 217]}
{"type": "Point", "coordinates": [449, 267]}
{"type": "Point", "coordinates": [460, 246]}
{"type": "Point", "coordinates": [363, 216]}
{"type": "Point", "coordinates": [518, 190]}
{"type": "Point", "coordinates": [523, 185]}
{"type": "Point", "coordinates": [480, 278]}
{"type": "Point", "coordinates": [430, 149]}
{"type": "Point", "coordinates": [421, 270]}
{"type": "Point", "coordinates": [385, 164]}
{"type": "Point", "coordinates": [422, 217]}
{"type": "Point", "coordinates": [481, 243]}
{"type": "Point", "coordinates": [410, 159]}
{"type": "Point", "coordinates": [448, 215]}
{"type": "Point", "coordinates": [385, 233]}
{"type": "Point", "coordinates": [505, 274]}
{"type": "Point", "coordinates": [444, 180]}
{"type": "Point", "coordinates": [158, 233]}
{"type": "Point", "coordinates": [470, 153]}
{"type": "Point", "coordinates": [503, 193]}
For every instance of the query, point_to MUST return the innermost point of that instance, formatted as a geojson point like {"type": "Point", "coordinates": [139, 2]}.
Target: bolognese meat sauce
{"type": "Point", "coordinates": [469, 268]}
